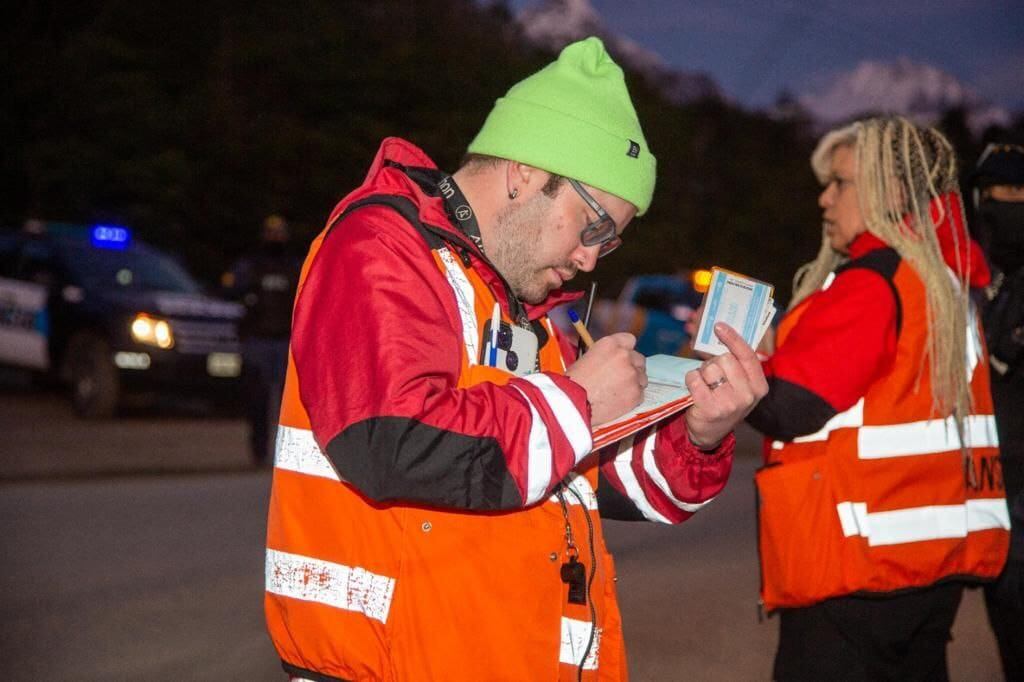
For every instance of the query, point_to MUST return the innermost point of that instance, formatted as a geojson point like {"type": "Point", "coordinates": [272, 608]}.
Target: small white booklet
{"type": "Point", "coordinates": [743, 303]}
{"type": "Point", "coordinates": [665, 395]}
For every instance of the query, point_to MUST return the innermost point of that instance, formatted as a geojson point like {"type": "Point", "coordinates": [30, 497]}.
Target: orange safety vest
{"type": "Point", "coordinates": [878, 500]}
{"type": "Point", "coordinates": [359, 590]}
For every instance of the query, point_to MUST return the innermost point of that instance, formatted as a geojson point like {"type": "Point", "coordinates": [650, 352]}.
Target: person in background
{"type": "Point", "coordinates": [881, 496]}
{"type": "Point", "coordinates": [436, 503]}
{"type": "Point", "coordinates": [998, 193]}
{"type": "Point", "coordinates": [264, 280]}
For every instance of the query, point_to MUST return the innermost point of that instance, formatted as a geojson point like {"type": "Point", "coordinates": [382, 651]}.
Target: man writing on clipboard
{"type": "Point", "coordinates": [435, 512]}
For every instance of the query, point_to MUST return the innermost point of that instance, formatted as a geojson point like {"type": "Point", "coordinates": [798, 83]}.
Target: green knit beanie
{"type": "Point", "coordinates": [574, 118]}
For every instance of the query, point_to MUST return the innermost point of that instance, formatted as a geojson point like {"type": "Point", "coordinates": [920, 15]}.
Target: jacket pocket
{"type": "Point", "coordinates": [800, 537]}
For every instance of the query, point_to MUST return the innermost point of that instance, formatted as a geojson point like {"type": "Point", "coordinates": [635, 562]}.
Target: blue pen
{"type": "Point", "coordinates": [585, 337]}
{"type": "Point", "coordinates": [495, 323]}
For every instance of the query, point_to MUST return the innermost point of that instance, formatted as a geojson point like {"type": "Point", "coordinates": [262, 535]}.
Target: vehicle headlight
{"type": "Point", "coordinates": [152, 331]}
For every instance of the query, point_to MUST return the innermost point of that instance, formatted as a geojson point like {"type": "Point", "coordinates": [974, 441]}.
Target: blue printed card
{"type": "Point", "coordinates": [743, 303]}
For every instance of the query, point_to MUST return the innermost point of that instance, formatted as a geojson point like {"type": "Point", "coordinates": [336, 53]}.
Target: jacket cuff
{"type": "Point", "coordinates": [679, 436]}
{"type": "Point", "coordinates": [722, 450]}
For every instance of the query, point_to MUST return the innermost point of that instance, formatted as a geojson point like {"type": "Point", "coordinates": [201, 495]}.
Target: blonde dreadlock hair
{"type": "Point", "coordinates": [903, 171]}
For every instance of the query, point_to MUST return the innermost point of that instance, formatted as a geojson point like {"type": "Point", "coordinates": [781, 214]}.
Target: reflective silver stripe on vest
{"type": "Point", "coordinates": [324, 582]}
{"type": "Point", "coordinates": [847, 419]}
{"type": "Point", "coordinates": [582, 492]}
{"type": "Point", "coordinates": [296, 450]}
{"type": "Point", "coordinates": [925, 437]}
{"type": "Point", "coordinates": [915, 524]}
{"type": "Point", "coordinates": [464, 297]}
{"type": "Point", "coordinates": [575, 635]}
{"type": "Point", "coordinates": [902, 440]}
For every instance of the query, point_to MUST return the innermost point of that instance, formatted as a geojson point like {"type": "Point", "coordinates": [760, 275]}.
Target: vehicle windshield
{"type": "Point", "coordinates": [135, 269]}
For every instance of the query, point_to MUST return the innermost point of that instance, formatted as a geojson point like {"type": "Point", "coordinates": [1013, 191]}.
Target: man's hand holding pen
{"type": "Point", "coordinates": [613, 374]}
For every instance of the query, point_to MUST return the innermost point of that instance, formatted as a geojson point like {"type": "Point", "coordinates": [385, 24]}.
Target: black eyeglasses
{"type": "Point", "coordinates": [601, 232]}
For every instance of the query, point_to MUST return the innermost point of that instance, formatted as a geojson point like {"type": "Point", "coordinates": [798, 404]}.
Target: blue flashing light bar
{"type": "Point", "coordinates": [110, 237]}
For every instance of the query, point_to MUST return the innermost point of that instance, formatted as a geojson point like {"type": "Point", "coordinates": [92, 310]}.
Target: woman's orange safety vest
{"type": "Point", "coordinates": [880, 499]}
{"type": "Point", "coordinates": [415, 593]}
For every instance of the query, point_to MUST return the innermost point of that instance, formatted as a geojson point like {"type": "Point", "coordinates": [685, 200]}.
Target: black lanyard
{"type": "Point", "coordinates": [459, 210]}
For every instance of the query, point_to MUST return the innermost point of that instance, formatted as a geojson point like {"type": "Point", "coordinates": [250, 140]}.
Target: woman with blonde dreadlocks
{"type": "Point", "coordinates": [881, 495]}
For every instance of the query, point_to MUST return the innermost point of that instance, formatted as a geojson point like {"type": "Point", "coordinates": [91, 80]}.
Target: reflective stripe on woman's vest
{"type": "Point", "coordinates": [880, 498]}
{"type": "Point", "coordinates": [357, 590]}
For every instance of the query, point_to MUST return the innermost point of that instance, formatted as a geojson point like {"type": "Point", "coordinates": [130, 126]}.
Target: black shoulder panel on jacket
{"type": "Point", "coordinates": [611, 504]}
{"type": "Point", "coordinates": [884, 262]}
{"type": "Point", "coordinates": [790, 410]}
{"type": "Point", "coordinates": [401, 205]}
{"type": "Point", "coordinates": [398, 459]}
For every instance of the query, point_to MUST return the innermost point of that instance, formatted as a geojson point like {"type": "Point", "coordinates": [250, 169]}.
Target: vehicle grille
{"type": "Point", "coordinates": [195, 337]}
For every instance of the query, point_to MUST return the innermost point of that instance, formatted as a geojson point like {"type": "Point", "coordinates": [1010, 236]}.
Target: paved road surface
{"type": "Point", "coordinates": [158, 577]}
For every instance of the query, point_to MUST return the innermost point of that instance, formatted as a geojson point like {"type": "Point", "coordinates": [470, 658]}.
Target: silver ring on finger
{"type": "Point", "coordinates": [715, 384]}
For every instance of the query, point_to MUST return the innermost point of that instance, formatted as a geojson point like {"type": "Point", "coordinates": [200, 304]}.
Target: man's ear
{"type": "Point", "coordinates": [521, 177]}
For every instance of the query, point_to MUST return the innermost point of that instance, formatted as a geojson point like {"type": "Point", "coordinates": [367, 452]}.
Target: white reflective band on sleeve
{"type": "Point", "coordinates": [539, 457]}
{"type": "Point", "coordinates": [651, 467]}
{"type": "Point", "coordinates": [569, 418]}
{"type": "Point", "coordinates": [916, 524]}
{"type": "Point", "coordinates": [464, 297]}
{"type": "Point", "coordinates": [575, 635]}
{"type": "Point", "coordinates": [324, 582]}
{"type": "Point", "coordinates": [297, 451]}
{"type": "Point", "coordinates": [584, 493]}
{"type": "Point", "coordinates": [925, 437]}
{"type": "Point", "coordinates": [623, 467]}
{"type": "Point", "coordinates": [847, 419]}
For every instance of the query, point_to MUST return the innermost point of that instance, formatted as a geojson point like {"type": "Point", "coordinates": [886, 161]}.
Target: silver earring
{"type": "Point", "coordinates": [513, 194]}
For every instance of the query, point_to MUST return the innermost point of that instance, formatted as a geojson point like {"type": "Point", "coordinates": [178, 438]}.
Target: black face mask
{"type": "Point", "coordinates": [1005, 223]}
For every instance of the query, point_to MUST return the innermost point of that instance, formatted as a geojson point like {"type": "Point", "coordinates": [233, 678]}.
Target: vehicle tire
{"type": "Point", "coordinates": [95, 385]}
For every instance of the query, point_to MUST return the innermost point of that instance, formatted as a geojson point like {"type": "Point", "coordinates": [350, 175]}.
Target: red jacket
{"type": "Point", "coordinates": [855, 318]}
{"type": "Point", "coordinates": [404, 462]}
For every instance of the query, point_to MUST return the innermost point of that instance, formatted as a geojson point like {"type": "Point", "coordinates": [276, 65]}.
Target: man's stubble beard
{"type": "Point", "coordinates": [518, 230]}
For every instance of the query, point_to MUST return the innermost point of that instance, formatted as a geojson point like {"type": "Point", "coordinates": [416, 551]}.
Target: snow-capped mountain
{"type": "Point", "coordinates": [919, 91]}
{"type": "Point", "coordinates": [553, 24]}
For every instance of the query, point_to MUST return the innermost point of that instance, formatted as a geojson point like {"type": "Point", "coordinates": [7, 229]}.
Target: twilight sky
{"type": "Point", "coordinates": [754, 49]}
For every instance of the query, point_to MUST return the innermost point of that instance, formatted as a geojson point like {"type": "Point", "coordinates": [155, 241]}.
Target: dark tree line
{"type": "Point", "coordinates": [190, 121]}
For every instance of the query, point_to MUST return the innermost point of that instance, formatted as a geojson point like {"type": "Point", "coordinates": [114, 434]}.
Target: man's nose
{"type": "Point", "coordinates": [585, 257]}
